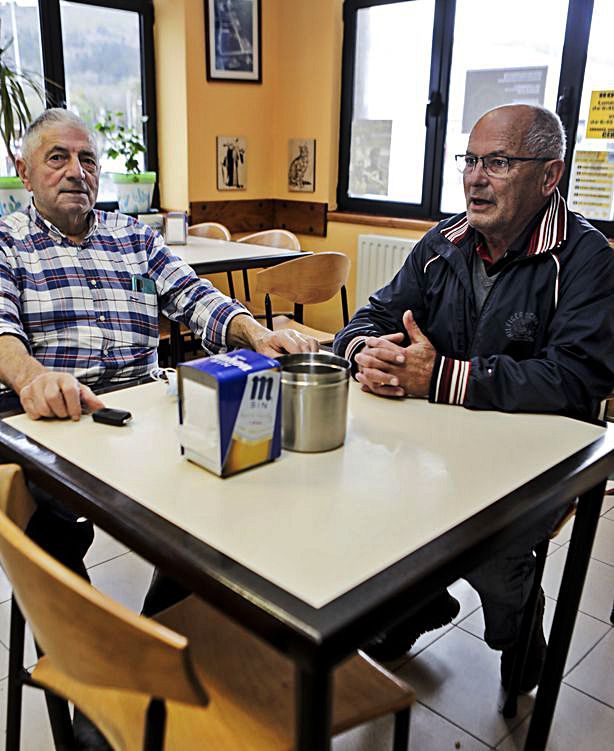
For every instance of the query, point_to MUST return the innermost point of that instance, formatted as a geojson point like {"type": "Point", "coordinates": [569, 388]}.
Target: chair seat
{"type": "Point", "coordinates": [283, 322]}
{"type": "Point", "coordinates": [250, 686]}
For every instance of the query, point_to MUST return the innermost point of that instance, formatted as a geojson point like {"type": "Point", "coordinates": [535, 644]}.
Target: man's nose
{"type": "Point", "coordinates": [74, 168]}
{"type": "Point", "coordinates": [477, 176]}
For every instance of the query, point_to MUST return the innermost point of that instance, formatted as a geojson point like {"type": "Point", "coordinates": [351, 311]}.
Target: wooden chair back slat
{"type": "Point", "coordinates": [213, 230]}
{"type": "Point", "coordinates": [85, 634]}
{"type": "Point", "coordinates": [306, 280]}
{"type": "Point", "coordinates": [273, 238]}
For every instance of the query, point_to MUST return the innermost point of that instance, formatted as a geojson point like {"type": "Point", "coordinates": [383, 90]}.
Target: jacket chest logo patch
{"type": "Point", "coordinates": [521, 327]}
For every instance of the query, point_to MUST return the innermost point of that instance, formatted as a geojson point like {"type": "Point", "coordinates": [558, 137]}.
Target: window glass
{"type": "Point", "coordinates": [499, 58]}
{"type": "Point", "coordinates": [591, 187]}
{"type": "Point", "coordinates": [19, 22]}
{"type": "Point", "coordinates": [388, 132]}
{"type": "Point", "coordinates": [102, 63]}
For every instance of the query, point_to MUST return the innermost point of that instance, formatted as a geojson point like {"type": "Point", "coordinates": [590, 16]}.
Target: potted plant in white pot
{"type": "Point", "coordinates": [14, 119]}
{"type": "Point", "coordinates": [134, 188]}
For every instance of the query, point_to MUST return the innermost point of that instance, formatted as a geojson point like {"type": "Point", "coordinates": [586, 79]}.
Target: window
{"type": "Point", "coordinates": [19, 27]}
{"type": "Point", "coordinates": [418, 73]}
{"type": "Point", "coordinates": [96, 55]}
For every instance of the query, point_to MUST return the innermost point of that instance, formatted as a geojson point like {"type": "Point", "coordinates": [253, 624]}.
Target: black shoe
{"type": "Point", "coordinates": [87, 735]}
{"type": "Point", "coordinates": [397, 641]}
{"type": "Point", "coordinates": [536, 655]}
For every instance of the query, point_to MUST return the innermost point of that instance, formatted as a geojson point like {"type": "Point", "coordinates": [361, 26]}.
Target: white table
{"type": "Point", "coordinates": [318, 552]}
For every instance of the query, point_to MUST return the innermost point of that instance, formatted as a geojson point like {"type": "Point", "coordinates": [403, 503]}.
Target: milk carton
{"type": "Point", "coordinates": [229, 411]}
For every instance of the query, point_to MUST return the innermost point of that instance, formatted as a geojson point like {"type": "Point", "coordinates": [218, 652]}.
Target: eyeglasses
{"type": "Point", "coordinates": [495, 165]}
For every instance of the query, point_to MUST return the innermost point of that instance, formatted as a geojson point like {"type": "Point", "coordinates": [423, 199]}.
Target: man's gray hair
{"type": "Point", "coordinates": [54, 116]}
{"type": "Point", "coordinates": [545, 136]}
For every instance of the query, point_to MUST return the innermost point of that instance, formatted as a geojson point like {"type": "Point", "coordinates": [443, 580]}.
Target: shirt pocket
{"type": "Point", "coordinates": [135, 315]}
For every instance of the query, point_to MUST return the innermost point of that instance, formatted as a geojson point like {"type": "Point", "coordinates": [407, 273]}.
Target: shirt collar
{"type": "Point", "coordinates": [44, 224]}
{"type": "Point", "coordinates": [548, 235]}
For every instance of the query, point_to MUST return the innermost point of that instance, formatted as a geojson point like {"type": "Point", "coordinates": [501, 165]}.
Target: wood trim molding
{"type": "Point", "coordinates": [349, 217]}
{"type": "Point", "coordinates": [253, 215]}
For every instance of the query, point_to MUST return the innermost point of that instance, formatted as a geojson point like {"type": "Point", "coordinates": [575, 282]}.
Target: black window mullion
{"type": "Point", "coordinates": [573, 64]}
{"type": "Point", "coordinates": [347, 101]}
{"type": "Point", "coordinates": [441, 62]}
{"type": "Point", "coordinates": [53, 58]}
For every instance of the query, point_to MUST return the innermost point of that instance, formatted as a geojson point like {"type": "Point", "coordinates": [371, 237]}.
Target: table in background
{"type": "Point", "coordinates": [316, 553]}
{"type": "Point", "coordinates": [208, 256]}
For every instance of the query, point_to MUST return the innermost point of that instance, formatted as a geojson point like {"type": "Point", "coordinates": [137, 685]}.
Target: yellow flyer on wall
{"type": "Point", "coordinates": [601, 115]}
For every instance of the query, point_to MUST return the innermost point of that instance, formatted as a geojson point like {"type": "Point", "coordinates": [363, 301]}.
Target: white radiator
{"type": "Point", "coordinates": [379, 259]}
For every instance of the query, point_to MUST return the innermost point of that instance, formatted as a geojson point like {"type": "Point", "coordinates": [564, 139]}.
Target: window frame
{"type": "Point", "coordinates": [569, 95]}
{"type": "Point", "coordinates": [53, 63]}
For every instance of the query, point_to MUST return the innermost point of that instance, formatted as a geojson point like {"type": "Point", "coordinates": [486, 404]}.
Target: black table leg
{"type": "Point", "coordinates": [570, 591]}
{"type": "Point", "coordinates": [175, 345]}
{"type": "Point", "coordinates": [313, 701]}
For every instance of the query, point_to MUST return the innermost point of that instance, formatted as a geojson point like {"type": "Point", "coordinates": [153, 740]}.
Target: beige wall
{"type": "Point", "coordinates": [298, 98]}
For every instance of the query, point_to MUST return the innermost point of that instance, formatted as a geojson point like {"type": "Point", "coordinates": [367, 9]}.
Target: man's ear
{"type": "Point", "coordinates": [22, 171]}
{"type": "Point", "coordinates": [552, 176]}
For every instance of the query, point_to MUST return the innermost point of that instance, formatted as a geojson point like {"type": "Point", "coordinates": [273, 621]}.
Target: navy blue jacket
{"type": "Point", "coordinates": [544, 339]}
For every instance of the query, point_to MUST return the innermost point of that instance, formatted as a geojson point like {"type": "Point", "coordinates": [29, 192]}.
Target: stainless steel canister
{"type": "Point", "coordinates": [314, 394]}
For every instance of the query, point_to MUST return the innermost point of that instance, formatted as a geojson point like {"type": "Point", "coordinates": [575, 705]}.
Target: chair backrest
{"type": "Point", "coordinates": [273, 238]}
{"type": "Point", "coordinates": [308, 279]}
{"type": "Point", "coordinates": [109, 645]}
{"type": "Point", "coordinates": [209, 229]}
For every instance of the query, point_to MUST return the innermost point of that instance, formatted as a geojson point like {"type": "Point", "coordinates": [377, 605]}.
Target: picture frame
{"type": "Point", "coordinates": [231, 162]}
{"type": "Point", "coordinates": [302, 165]}
{"type": "Point", "coordinates": [233, 40]}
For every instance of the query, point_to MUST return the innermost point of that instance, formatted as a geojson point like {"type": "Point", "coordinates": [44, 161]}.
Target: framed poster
{"type": "Point", "coordinates": [233, 34]}
{"type": "Point", "coordinates": [231, 162]}
{"type": "Point", "coordinates": [301, 164]}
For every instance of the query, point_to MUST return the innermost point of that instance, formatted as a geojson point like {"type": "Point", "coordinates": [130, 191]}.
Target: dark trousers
{"type": "Point", "coordinates": [61, 533]}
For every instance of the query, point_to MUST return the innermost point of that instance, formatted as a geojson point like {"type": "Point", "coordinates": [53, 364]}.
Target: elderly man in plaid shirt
{"type": "Point", "coordinates": [69, 316]}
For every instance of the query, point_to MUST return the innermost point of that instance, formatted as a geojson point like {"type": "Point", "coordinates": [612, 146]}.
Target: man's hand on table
{"type": "Point", "coordinates": [245, 331]}
{"type": "Point", "coordinates": [52, 394]}
{"type": "Point", "coordinates": [386, 368]}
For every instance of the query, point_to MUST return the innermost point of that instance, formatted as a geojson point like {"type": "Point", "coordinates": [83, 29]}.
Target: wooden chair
{"type": "Point", "coordinates": [271, 238]}
{"type": "Point", "coordinates": [215, 231]}
{"type": "Point", "coordinates": [303, 281]}
{"type": "Point", "coordinates": [191, 679]}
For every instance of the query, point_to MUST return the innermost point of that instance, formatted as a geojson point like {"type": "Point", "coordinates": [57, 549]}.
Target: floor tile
{"type": "Point", "coordinates": [35, 729]}
{"type": "Point", "coordinates": [103, 548]}
{"type": "Point", "coordinates": [603, 549]}
{"type": "Point", "coordinates": [428, 732]}
{"type": "Point", "coordinates": [587, 632]}
{"type": "Point", "coordinates": [5, 630]}
{"type": "Point", "coordinates": [5, 586]}
{"type": "Point", "coordinates": [467, 596]}
{"type": "Point", "coordinates": [125, 579]}
{"type": "Point", "coordinates": [458, 677]}
{"type": "Point", "coordinates": [598, 588]}
{"type": "Point", "coordinates": [580, 724]}
{"type": "Point", "coordinates": [595, 674]}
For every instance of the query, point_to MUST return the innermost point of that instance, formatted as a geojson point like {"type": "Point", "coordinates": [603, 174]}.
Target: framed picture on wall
{"type": "Point", "coordinates": [302, 165]}
{"type": "Point", "coordinates": [231, 163]}
{"type": "Point", "coordinates": [232, 33]}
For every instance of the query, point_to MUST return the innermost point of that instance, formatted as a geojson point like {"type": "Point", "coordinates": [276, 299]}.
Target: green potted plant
{"type": "Point", "coordinates": [14, 118]}
{"type": "Point", "coordinates": [134, 188]}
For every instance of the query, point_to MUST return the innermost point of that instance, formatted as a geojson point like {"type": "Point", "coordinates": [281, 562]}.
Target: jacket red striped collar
{"type": "Point", "coordinates": [548, 235]}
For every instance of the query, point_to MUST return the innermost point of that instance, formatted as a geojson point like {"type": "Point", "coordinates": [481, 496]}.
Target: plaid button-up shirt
{"type": "Point", "coordinates": [74, 307]}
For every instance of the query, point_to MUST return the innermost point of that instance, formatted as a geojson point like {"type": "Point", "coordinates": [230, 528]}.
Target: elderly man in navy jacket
{"type": "Point", "coordinates": [509, 306]}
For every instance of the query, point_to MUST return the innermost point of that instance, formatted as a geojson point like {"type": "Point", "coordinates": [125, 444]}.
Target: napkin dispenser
{"type": "Point", "coordinates": [230, 411]}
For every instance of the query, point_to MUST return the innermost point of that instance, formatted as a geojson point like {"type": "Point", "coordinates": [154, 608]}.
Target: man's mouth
{"type": "Point", "coordinates": [475, 201]}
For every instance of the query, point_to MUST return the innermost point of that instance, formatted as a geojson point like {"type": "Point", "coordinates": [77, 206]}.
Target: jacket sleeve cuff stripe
{"type": "Point", "coordinates": [353, 348]}
{"type": "Point", "coordinates": [450, 379]}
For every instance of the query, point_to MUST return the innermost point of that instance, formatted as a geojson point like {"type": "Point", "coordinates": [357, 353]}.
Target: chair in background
{"type": "Point", "coordinates": [215, 231]}
{"type": "Point", "coordinates": [271, 238]}
{"type": "Point", "coordinates": [302, 281]}
{"type": "Point", "coordinates": [190, 679]}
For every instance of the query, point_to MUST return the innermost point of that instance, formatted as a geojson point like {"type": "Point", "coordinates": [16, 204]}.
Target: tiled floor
{"type": "Point", "coordinates": [456, 676]}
